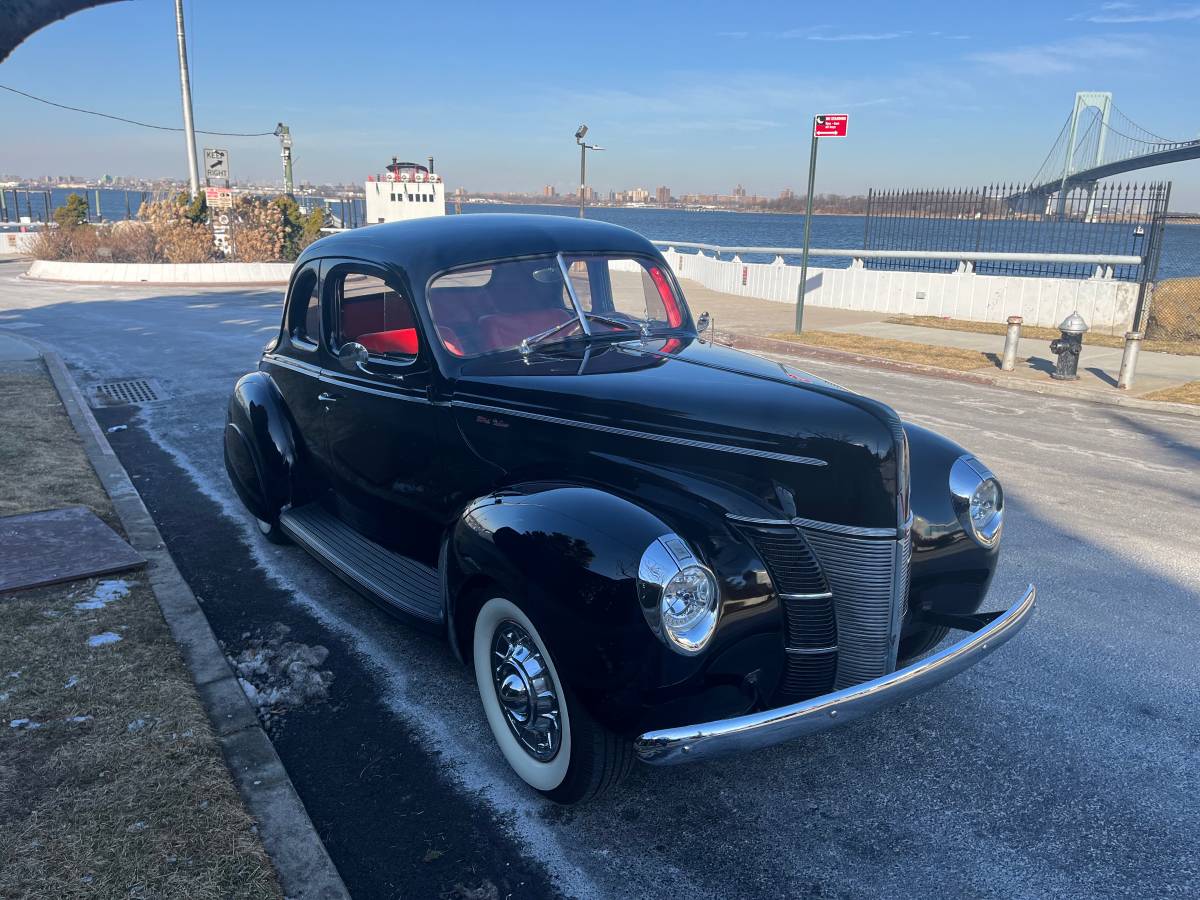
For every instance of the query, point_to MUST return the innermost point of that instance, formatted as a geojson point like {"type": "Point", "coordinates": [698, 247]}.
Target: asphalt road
{"type": "Point", "coordinates": [1068, 765]}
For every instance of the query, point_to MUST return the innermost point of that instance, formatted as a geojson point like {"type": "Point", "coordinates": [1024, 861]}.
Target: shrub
{"type": "Point", "coordinates": [257, 230]}
{"type": "Point", "coordinates": [73, 212]}
{"type": "Point", "coordinates": [179, 235]}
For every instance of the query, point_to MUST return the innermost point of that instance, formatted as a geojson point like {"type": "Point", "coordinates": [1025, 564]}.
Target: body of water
{"type": "Point", "coordinates": [1180, 256]}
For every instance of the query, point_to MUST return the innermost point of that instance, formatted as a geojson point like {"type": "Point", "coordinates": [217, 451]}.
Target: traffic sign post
{"type": "Point", "coordinates": [823, 126]}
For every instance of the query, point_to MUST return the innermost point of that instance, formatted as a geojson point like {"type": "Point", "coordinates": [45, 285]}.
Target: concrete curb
{"type": "Point", "coordinates": [300, 859]}
{"type": "Point", "coordinates": [802, 351]}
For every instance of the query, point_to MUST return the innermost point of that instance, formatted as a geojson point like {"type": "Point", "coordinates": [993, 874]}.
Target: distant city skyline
{"type": "Point", "coordinates": [686, 95]}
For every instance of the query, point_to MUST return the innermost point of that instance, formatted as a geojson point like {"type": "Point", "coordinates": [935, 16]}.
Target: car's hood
{"type": "Point", "coordinates": [835, 453]}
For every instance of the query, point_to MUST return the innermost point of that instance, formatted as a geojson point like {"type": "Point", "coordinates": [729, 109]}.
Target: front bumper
{"type": "Point", "coordinates": [762, 729]}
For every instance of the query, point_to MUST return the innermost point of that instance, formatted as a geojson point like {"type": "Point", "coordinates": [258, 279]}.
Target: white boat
{"type": "Point", "coordinates": [407, 191]}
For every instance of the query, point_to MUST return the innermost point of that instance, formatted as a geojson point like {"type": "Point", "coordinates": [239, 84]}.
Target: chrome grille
{"type": "Point", "coordinates": [791, 565]}
{"type": "Point", "coordinates": [869, 580]}
{"type": "Point", "coordinates": [810, 626]}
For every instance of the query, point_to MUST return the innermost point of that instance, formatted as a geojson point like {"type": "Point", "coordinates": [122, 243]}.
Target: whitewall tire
{"type": "Point", "coordinates": [545, 734]}
{"type": "Point", "coordinates": [543, 774]}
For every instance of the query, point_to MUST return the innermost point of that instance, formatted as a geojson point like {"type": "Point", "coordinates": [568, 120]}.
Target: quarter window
{"type": "Point", "coordinates": [306, 308]}
{"type": "Point", "coordinates": [374, 315]}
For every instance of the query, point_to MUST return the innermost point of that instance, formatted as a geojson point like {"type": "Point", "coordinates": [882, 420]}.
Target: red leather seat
{"type": "Point", "coordinates": [505, 330]}
{"type": "Point", "coordinates": [397, 340]}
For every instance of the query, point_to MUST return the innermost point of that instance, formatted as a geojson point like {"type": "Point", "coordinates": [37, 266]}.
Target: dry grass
{"type": "Point", "coordinates": [122, 790]}
{"type": "Point", "coordinates": [1037, 333]}
{"type": "Point", "coordinates": [901, 351]}
{"type": "Point", "coordinates": [1181, 393]}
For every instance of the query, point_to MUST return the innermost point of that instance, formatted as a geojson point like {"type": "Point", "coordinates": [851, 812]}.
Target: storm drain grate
{"type": "Point", "coordinates": [127, 393]}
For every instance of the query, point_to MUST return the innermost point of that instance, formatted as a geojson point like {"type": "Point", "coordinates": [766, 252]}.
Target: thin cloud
{"type": "Point", "coordinates": [736, 35]}
{"type": "Point", "coordinates": [1060, 56]}
{"type": "Point", "coordinates": [861, 36]}
{"type": "Point", "coordinates": [1128, 14]}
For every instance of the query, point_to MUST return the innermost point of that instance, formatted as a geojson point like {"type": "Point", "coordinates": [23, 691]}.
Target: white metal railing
{"type": "Point", "coordinates": [966, 259]}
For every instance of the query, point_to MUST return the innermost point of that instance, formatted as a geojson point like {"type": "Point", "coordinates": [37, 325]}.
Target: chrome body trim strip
{"type": "Point", "coordinates": [752, 520]}
{"type": "Point", "coordinates": [853, 530]}
{"type": "Point", "coordinates": [645, 435]}
{"type": "Point", "coordinates": [815, 525]}
{"type": "Point", "coordinates": [824, 596]}
{"type": "Point", "coordinates": [763, 729]}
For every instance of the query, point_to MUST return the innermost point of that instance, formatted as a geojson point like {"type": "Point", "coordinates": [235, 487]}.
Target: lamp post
{"type": "Point", "coordinates": [583, 149]}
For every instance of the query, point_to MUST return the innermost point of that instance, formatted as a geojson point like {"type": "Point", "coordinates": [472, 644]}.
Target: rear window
{"type": "Point", "coordinates": [492, 308]}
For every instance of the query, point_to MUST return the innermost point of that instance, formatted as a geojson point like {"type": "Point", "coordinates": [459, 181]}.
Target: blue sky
{"type": "Point", "coordinates": [698, 96]}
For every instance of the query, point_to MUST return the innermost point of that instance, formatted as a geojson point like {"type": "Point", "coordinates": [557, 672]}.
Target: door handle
{"type": "Point", "coordinates": [326, 397]}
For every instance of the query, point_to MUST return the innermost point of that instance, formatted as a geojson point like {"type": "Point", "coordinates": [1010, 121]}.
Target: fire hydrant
{"type": "Point", "coordinates": [1068, 347]}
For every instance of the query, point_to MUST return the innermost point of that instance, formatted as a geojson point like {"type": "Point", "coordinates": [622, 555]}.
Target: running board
{"type": "Point", "coordinates": [408, 585]}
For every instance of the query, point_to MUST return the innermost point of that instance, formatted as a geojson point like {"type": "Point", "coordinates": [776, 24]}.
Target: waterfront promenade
{"type": "Point", "coordinates": [1098, 366]}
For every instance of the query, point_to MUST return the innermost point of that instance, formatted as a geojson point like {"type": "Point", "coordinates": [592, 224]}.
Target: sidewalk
{"type": "Point", "coordinates": [1098, 366]}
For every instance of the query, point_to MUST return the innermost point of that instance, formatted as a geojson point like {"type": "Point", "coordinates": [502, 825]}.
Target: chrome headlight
{"type": "Point", "coordinates": [679, 596]}
{"type": "Point", "coordinates": [978, 499]}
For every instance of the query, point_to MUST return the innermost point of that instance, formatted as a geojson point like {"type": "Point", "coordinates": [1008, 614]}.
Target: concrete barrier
{"type": "Point", "coordinates": [16, 243]}
{"type": "Point", "coordinates": [161, 273]}
{"type": "Point", "coordinates": [1107, 305]}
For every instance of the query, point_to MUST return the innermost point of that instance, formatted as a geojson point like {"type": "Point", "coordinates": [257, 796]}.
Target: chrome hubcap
{"type": "Point", "coordinates": [526, 691]}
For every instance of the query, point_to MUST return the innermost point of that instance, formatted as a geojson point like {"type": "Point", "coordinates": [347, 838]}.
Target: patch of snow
{"type": "Point", "coordinates": [16, 674]}
{"type": "Point", "coordinates": [136, 826]}
{"type": "Point", "coordinates": [71, 682]}
{"type": "Point", "coordinates": [115, 429]}
{"type": "Point", "coordinates": [106, 592]}
{"type": "Point", "coordinates": [137, 725]}
{"type": "Point", "coordinates": [277, 674]}
{"type": "Point", "coordinates": [101, 640]}
{"type": "Point", "coordinates": [3, 696]}
{"type": "Point", "coordinates": [27, 724]}
{"type": "Point", "coordinates": [79, 720]}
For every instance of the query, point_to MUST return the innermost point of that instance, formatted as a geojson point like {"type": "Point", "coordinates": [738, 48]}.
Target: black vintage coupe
{"type": "Point", "coordinates": [511, 430]}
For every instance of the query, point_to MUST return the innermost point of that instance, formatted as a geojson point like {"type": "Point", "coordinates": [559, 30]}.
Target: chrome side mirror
{"type": "Point", "coordinates": [702, 323]}
{"type": "Point", "coordinates": [353, 357]}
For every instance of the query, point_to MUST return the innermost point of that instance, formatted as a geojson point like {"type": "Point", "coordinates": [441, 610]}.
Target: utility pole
{"type": "Point", "coordinates": [285, 141]}
{"type": "Point", "coordinates": [185, 85]}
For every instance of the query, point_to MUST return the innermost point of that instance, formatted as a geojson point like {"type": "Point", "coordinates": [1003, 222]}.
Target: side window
{"type": "Point", "coordinates": [374, 315]}
{"type": "Point", "coordinates": [305, 309]}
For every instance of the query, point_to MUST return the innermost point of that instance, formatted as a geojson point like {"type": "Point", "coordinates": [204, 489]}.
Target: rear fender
{"type": "Point", "coordinates": [260, 446]}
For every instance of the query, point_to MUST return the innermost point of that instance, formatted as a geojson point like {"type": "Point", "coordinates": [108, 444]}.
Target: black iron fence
{"type": "Point", "coordinates": [1097, 219]}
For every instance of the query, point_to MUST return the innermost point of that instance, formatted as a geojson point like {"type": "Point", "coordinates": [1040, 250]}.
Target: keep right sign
{"type": "Point", "coordinates": [830, 126]}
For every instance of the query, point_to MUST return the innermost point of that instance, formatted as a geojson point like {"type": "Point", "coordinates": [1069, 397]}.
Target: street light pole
{"type": "Point", "coordinates": [189, 131]}
{"type": "Point", "coordinates": [582, 176]}
{"type": "Point", "coordinates": [580, 132]}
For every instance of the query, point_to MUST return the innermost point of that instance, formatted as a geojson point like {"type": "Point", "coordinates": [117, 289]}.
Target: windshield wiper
{"type": "Point", "coordinates": [527, 344]}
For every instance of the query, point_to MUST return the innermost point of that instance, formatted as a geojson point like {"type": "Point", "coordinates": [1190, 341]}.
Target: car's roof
{"type": "Point", "coordinates": [425, 246]}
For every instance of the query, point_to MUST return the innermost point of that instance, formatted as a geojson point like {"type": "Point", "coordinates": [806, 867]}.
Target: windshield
{"type": "Point", "coordinates": [500, 306]}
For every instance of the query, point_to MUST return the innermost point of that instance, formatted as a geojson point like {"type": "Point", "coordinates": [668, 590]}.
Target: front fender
{"type": "Point", "coordinates": [951, 571]}
{"type": "Point", "coordinates": [569, 555]}
{"type": "Point", "coordinates": [260, 446]}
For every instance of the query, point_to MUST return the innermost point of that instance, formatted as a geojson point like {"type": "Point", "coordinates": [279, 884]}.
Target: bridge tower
{"type": "Point", "coordinates": [1084, 100]}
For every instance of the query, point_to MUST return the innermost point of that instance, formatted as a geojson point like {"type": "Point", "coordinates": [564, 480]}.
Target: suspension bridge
{"type": "Point", "coordinates": [1098, 141]}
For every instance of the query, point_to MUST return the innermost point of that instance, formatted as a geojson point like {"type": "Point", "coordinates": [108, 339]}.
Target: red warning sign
{"type": "Point", "coordinates": [830, 126]}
